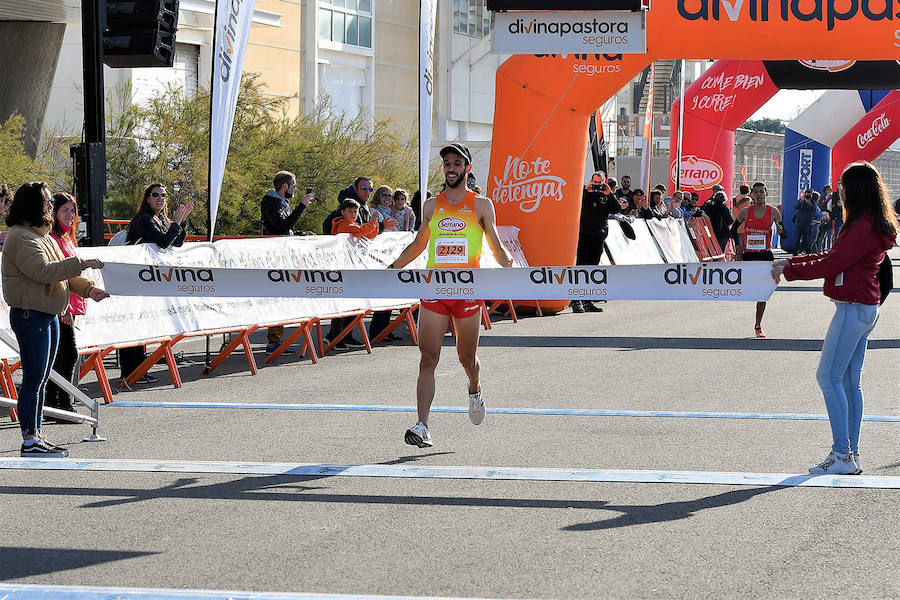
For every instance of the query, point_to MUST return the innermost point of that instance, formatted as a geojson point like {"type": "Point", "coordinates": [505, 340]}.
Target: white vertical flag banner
{"type": "Point", "coordinates": [427, 16]}
{"type": "Point", "coordinates": [647, 149]}
{"type": "Point", "coordinates": [232, 30]}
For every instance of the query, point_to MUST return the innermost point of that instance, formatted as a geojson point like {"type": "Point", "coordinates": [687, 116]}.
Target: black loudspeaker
{"type": "Point", "coordinates": [140, 33]}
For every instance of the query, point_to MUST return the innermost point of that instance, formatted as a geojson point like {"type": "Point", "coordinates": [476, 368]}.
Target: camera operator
{"type": "Point", "coordinates": [277, 218]}
{"type": "Point", "coordinates": [597, 203]}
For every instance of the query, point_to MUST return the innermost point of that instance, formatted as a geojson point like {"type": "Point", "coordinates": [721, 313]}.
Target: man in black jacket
{"type": "Point", "coordinates": [277, 218]}
{"type": "Point", "coordinates": [597, 203]}
{"type": "Point", "coordinates": [360, 191]}
{"type": "Point", "coordinates": [719, 217]}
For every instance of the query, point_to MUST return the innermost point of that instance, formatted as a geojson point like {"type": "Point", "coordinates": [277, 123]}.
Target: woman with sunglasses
{"type": "Point", "coordinates": [850, 270]}
{"type": "Point", "coordinates": [37, 280]}
{"type": "Point", "coordinates": [152, 222]}
{"type": "Point", "coordinates": [381, 208]}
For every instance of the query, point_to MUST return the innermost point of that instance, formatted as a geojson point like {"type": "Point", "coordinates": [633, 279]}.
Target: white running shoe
{"type": "Point", "coordinates": [835, 464]}
{"type": "Point", "coordinates": [855, 456]}
{"type": "Point", "coordinates": [418, 436]}
{"type": "Point", "coordinates": [476, 408]}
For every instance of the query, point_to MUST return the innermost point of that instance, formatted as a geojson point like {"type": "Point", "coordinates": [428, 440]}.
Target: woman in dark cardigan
{"type": "Point", "coordinates": [152, 224]}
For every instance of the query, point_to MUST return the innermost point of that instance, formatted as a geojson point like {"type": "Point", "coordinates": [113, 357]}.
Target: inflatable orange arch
{"type": "Point", "coordinates": [544, 102]}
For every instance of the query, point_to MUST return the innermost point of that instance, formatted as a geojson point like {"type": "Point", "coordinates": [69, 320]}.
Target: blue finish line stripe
{"type": "Point", "coordinates": [588, 412]}
{"type": "Point", "coordinates": [78, 592]}
{"type": "Point", "coordinates": [422, 472]}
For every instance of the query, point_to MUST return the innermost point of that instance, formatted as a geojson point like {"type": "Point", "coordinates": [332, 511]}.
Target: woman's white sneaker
{"type": "Point", "coordinates": [855, 456]}
{"type": "Point", "coordinates": [477, 408]}
{"type": "Point", "coordinates": [835, 464]}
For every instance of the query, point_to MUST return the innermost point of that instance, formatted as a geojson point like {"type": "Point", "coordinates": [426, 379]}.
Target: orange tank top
{"type": "Point", "coordinates": [455, 235]}
{"type": "Point", "coordinates": [758, 231]}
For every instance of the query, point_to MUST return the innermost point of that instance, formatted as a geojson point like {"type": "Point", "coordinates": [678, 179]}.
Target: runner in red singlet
{"type": "Point", "coordinates": [453, 224]}
{"type": "Point", "coordinates": [756, 242]}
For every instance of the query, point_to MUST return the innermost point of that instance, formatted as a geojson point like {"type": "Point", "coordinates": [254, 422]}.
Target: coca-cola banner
{"type": "Point", "coordinates": [874, 133]}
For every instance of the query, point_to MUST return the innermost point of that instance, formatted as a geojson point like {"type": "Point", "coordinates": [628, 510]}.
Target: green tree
{"type": "Point", "coordinates": [767, 125]}
{"type": "Point", "coordinates": [167, 140]}
{"type": "Point", "coordinates": [17, 167]}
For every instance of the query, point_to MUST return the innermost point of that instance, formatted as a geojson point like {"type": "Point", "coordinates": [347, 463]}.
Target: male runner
{"type": "Point", "coordinates": [451, 247]}
{"type": "Point", "coordinates": [756, 244]}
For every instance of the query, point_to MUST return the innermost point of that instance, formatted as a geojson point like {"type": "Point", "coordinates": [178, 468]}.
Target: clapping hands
{"type": "Point", "coordinates": [182, 212]}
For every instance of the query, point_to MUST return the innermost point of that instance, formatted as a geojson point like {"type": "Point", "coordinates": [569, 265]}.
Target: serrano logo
{"type": "Point", "coordinates": [527, 183]}
{"type": "Point", "coordinates": [875, 129]}
{"type": "Point", "coordinates": [824, 11]}
{"type": "Point", "coordinates": [181, 274]}
{"type": "Point", "coordinates": [697, 173]}
{"type": "Point", "coordinates": [569, 275]}
{"type": "Point", "coordinates": [451, 224]}
{"type": "Point", "coordinates": [308, 276]}
{"type": "Point", "coordinates": [703, 275]}
{"type": "Point", "coordinates": [443, 276]}
{"type": "Point", "coordinates": [832, 66]}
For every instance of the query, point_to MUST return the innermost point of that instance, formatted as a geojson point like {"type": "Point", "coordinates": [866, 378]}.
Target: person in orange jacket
{"type": "Point", "coordinates": [346, 223]}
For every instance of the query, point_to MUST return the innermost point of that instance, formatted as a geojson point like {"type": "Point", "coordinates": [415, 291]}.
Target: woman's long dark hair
{"type": "Point", "coordinates": [864, 192]}
{"type": "Point", "coordinates": [60, 200]}
{"type": "Point", "coordinates": [144, 206]}
{"type": "Point", "coordinates": [28, 206]}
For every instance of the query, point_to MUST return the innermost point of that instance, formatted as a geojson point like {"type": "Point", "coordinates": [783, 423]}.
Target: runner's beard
{"type": "Point", "coordinates": [459, 180]}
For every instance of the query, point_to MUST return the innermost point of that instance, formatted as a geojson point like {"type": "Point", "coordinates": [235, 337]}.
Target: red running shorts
{"type": "Point", "coordinates": [459, 309]}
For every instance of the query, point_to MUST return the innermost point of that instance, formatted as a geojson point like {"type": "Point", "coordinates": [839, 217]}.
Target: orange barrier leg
{"type": "Point", "coordinates": [9, 389]}
{"type": "Point", "coordinates": [404, 313]}
{"type": "Point", "coordinates": [165, 349]}
{"type": "Point", "coordinates": [302, 329]}
{"type": "Point", "coordinates": [241, 339]}
{"type": "Point", "coordinates": [411, 323]}
{"type": "Point", "coordinates": [94, 363]}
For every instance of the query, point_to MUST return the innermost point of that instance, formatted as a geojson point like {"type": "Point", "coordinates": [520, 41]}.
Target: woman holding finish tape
{"type": "Point", "coordinates": [37, 279]}
{"type": "Point", "coordinates": [850, 270]}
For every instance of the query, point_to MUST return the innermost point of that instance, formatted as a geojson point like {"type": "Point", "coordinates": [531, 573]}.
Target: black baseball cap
{"type": "Point", "coordinates": [458, 148]}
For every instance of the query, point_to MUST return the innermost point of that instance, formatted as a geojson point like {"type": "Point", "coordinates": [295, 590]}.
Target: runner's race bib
{"type": "Point", "coordinates": [451, 250]}
{"type": "Point", "coordinates": [756, 243]}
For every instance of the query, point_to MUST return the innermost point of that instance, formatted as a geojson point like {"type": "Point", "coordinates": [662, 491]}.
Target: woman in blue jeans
{"type": "Point", "coordinates": [37, 280]}
{"type": "Point", "coordinates": [850, 270]}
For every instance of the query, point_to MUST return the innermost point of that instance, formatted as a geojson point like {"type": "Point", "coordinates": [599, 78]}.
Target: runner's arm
{"type": "Point", "coordinates": [420, 242]}
{"type": "Point", "coordinates": [779, 222]}
{"type": "Point", "coordinates": [488, 222]}
{"type": "Point", "coordinates": [738, 221]}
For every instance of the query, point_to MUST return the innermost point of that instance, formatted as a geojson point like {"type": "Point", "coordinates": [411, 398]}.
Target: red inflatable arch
{"type": "Point", "coordinates": [719, 102]}
{"type": "Point", "coordinates": [544, 103]}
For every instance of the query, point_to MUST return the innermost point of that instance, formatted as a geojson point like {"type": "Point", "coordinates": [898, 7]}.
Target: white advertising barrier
{"type": "Point", "coordinates": [128, 318]}
{"type": "Point", "coordinates": [673, 240]}
{"type": "Point", "coordinates": [691, 281]}
{"type": "Point", "coordinates": [640, 251]}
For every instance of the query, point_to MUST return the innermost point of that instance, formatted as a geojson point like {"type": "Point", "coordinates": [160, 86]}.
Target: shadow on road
{"type": "Point", "coordinates": [640, 514]}
{"type": "Point", "coordinates": [19, 562]}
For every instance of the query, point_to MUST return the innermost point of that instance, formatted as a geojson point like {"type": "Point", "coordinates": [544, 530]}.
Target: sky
{"type": "Point", "coordinates": [787, 104]}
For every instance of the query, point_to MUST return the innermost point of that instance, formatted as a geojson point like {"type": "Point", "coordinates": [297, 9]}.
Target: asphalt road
{"type": "Point", "coordinates": [489, 538]}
